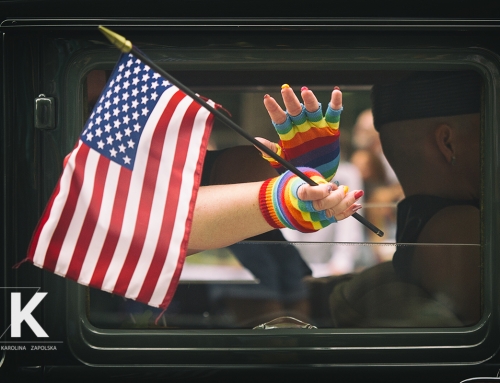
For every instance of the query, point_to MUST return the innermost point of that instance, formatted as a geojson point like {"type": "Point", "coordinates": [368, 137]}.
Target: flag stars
{"type": "Point", "coordinates": [135, 88]}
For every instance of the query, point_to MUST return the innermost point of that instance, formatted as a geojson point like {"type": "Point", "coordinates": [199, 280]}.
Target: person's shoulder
{"type": "Point", "coordinates": [453, 224]}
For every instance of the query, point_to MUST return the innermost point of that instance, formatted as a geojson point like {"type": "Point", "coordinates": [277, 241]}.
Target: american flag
{"type": "Point", "coordinates": [120, 216]}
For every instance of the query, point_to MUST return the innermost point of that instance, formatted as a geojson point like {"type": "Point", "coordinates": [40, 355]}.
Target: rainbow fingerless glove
{"type": "Point", "coordinates": [310, 140]}
{"type": "Point", "coordinates": [281, 207]}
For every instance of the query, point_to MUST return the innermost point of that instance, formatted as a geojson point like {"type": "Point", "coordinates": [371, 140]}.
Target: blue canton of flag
{"type": "Point", "coordinates": [118, 119]}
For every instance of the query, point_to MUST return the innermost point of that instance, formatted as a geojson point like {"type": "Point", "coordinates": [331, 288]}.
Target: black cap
{"type": "Point", "coordinates": [426, 94]}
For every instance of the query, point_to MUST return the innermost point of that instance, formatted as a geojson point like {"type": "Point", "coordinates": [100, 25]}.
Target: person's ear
{"type": "Point", "coordinates": [444, 136]}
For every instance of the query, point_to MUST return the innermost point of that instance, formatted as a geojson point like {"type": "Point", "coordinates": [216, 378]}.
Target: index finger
{"type": "Point", "coordinates": [277, 114]}
{"type": "Point", "coordinates": [312, 193]}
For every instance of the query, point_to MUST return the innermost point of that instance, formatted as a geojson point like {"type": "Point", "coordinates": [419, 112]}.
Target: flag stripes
{"type": "Point", "coordinates": [126, 230]}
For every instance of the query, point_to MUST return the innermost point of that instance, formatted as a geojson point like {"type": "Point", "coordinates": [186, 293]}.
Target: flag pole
{"type": "Point", "coordinates": [126, 46]}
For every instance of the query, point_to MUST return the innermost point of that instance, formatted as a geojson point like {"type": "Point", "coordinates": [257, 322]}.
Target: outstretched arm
{"type": "Point", "coordinates": [226, 214]}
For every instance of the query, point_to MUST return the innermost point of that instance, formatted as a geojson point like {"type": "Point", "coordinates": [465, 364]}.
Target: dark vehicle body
{"type": "Point", "coordinates": [49, 49]}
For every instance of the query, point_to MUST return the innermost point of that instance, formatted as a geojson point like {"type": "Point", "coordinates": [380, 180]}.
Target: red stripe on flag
{"type": "Point", "coordinates": [114, 230]}
{"type": "Point", "coordinates": [57, 239]}
{"type": "Point", "coordinates": [91, 218]}
{"type": "Point", "coordinates": [178, 270]}
{"type": "Point", "coordinates": [171, 205]}
{"type": "Point", "coordinates": [147, 194]}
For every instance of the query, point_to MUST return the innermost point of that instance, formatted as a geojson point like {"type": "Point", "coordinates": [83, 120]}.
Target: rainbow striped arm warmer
{"type": "Point", "coordinates": [281, 207]}
{"type": "Point", "coordinates": [310, 140]}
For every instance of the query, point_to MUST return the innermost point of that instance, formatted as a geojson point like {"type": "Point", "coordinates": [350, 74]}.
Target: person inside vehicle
{"type": "Point", "coordinates": [429, 125]}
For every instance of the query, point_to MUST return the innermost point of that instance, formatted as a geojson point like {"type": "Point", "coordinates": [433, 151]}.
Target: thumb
{"type": "Point", "coordinates": [268, 144]}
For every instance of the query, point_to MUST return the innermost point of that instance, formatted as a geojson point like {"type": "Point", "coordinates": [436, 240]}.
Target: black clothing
{"type": "Point", "coordinates": [413, 213]}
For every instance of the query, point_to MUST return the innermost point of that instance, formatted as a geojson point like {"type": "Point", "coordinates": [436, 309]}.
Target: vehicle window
{"type": "Point", "coordinates": [417, 160]}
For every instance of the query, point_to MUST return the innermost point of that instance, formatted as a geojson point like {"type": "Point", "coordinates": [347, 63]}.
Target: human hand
{"type": "Point", "coordinates": [307, 138]}
{"type": "Point", "coordinates": [288, 201]}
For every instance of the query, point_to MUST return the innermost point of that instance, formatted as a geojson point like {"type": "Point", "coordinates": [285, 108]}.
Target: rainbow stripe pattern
{"type": "Point", "coordinates": [310, 140]}
{"type": "Point", "coordinates": [281, 206]}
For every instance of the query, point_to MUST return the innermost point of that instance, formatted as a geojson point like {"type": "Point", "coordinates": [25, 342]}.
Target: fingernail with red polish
{"type": "Point", "coordinates": [304, 88]}
{"type": "Point", "coordinates": [336, 88]}
{"type": "Point", "coordinates": [359, 194]}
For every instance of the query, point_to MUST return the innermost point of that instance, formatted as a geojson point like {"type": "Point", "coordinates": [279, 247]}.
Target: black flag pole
{"type": "Point", "coordinates": [126, 46]}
